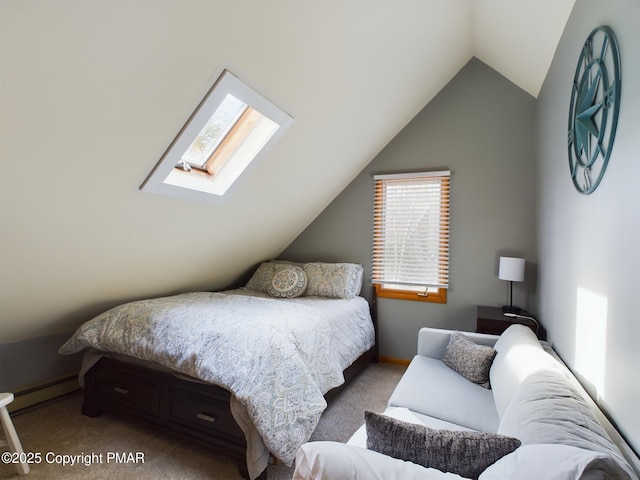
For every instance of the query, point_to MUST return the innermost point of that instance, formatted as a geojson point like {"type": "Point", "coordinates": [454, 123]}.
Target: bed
{"type": "Point", "coordinates": [243, 371]}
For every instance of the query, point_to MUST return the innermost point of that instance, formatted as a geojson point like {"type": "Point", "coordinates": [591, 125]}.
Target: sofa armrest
{"type": "Point", "coordinates": [432, 342]}
{"type": "Point", "coordinates": [332, 460]}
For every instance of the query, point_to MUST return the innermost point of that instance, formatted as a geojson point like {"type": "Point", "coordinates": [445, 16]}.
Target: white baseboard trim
{"type": "Point", "coordinates": [32, 396]}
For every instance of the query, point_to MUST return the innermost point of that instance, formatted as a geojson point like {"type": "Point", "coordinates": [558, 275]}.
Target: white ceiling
{"type": "Point", "coordinates": [518, 37]}
{"type": "Point", "coordinates": [92, 93]}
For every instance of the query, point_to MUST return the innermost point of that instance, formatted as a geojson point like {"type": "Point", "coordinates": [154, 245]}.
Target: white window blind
{"type": "Point", "coordinates": [411, 230]}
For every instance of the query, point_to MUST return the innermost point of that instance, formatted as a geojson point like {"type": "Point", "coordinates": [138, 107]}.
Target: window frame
{"type": "Point", "coordinates": [437, 296]}
{"type": "Point", "coordinates": [198, 183]}
{"type": "Point", "coordinates": [434, 293]}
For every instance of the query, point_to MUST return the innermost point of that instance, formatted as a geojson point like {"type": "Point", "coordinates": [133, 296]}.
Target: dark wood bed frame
{"type": "Point", "coordinates": [196, 411]}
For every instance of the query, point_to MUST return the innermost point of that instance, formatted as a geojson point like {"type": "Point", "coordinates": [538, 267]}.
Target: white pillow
{"type": "Point", "coordinates": [336, 461]}
{"type": "Point", "coordinates": [555, 462]}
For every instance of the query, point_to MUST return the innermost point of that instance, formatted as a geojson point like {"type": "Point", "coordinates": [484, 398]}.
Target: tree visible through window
{"type": "Point", "coordinates": [411, 236]}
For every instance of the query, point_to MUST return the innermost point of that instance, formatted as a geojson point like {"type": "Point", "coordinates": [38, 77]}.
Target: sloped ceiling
{"type": "Point", "coordinates": [518, 37]}
{"type": "Point", "coordinates": [93, 92]}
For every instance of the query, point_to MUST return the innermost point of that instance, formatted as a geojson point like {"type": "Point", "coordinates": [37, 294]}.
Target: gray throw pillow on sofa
{"type": "Point", "coordinates": [469, 359]}
{"type": "Point", "coordinates": [464, 453]}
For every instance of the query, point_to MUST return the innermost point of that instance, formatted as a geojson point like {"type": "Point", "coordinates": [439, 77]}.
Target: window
{"type": "Point", "coordinates": [411, 236]}
{"type": "Point", "coordinates": [231, 128]}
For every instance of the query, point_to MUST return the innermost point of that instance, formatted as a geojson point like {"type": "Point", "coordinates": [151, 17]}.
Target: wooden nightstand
{"type": "Point", "coordinates": [492, 320]}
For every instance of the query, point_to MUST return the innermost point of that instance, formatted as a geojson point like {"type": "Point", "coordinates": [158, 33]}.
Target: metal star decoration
{"type": "Point", "coordinates": [593, 114]}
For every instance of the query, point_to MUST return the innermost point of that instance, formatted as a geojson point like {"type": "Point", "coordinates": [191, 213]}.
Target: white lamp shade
{"type": "Point", "coordinates": [511, 269]}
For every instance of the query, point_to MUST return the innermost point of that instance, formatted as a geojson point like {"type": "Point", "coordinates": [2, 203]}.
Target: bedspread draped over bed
{"type": "Point", "coordinates": [277, 358]}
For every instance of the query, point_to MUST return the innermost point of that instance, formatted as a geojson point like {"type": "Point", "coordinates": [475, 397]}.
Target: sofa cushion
{"type": "Point", "coordinates": [464, 453]}
{"type": "Point", "coordinates": [333, 461]}
{"type": "Point", "coordinates": [469, 359]}
{"type": "Point", "coordinates": [555, 462]}
{"type": "Point", "coordinates": [548, 409]}
{"type": "Point", "coordinates": [359, 438]}
{"type": "Point", "coordinates": [519, 354]}
{"type": "Point", "coordinates": [431, 388]}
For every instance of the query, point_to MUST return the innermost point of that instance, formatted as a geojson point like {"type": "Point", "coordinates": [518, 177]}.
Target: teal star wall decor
{"type": "Point", "coordinates": [593, 114]}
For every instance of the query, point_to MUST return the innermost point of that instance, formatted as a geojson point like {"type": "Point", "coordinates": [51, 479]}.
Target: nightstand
{"type": "Point", "coordinates": [492, 320]}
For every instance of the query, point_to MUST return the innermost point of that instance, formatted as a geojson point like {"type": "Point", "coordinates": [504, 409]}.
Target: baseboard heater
{"type": "Point", "coordinates": [42, 393]}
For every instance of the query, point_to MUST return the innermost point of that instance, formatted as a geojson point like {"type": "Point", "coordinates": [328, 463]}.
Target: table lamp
{"type": "Point", "coordinates": [511, 269]}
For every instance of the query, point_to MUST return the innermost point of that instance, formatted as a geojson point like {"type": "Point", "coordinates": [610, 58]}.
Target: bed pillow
{"type": "Point", "coordinates": [290, 282]}
{"type": "Point", "coordinates": [262, 278]}
{"type": "Point", "coordinates": [466, 454]}
{"type": "Point", "coordinates": [469, 359]}
{"type": "Point", "coordinates": [333, 280]}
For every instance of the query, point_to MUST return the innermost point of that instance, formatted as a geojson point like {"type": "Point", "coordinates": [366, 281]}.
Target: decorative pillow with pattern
{"type": "Point", "coordinates": [469, 359]}
{"type": "Point", "coordinates": [262, 278]}
{"type": "Point", "coordinates": [288, 283]}
{"type": "Point", "coordinates": [464, 453]}
{"type": "Point", "coordinates": [333, 280]}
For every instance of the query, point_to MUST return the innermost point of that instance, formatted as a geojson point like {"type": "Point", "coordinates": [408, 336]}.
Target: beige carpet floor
{"type": "Point", "coordinates": [58, 429]}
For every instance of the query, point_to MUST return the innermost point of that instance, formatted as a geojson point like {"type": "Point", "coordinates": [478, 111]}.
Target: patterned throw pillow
{"type": "Point", "coordinates": [465, 453]}
{"type": "Point", "coordinates": [288, 283]}
{"type": "Point", "coordinates": [334, 280]}
{"type": "Point", "coordinates": [262, 278]}
{"type": "Point", "coordinates": [469, 359]}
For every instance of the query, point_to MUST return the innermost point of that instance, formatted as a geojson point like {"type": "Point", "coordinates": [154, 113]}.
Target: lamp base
{"type": "Point", "coordinates": [511, 309]}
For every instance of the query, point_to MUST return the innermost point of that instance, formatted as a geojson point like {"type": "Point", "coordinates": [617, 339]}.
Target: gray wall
{"type": "Point", "coordinates": [35, 361]}
{"type": "Point", "coordinates": [481, 127]}
{"type": "Point", "coordinates": [589, 257]}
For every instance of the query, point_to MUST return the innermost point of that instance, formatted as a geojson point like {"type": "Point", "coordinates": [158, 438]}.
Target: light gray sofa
{"type": "Point", "coordinates": [533, 397]}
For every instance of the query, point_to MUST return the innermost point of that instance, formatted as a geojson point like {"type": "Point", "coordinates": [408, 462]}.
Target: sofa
{"type": "Point", "coordinates": [478, 406]}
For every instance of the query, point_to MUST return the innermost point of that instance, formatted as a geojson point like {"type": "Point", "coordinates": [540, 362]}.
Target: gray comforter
{"type": "Point", "coordinates": [277, 358]}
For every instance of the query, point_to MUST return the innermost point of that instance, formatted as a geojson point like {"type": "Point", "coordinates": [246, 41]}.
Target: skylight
{"type": "Point", "coordinates": [230, 129]}
{"type": "Point", "coordinates": [214, 131]}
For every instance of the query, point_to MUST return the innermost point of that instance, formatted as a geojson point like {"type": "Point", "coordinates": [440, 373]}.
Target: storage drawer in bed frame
{"type": "Point", "coordinates": [128, 390]}
{"type": "Point", "coordinates": [193, 410]}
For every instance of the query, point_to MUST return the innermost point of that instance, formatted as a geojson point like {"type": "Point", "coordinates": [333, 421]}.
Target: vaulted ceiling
{"type": "Point", "coordinates": [518, 37]}
{"type": "Point", "coordinates": [92, 93]}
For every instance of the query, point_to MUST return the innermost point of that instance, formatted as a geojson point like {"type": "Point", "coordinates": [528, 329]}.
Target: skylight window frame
{"type": "Point", "coordinates": [229, 127]}
{"type": "Point", "coordinates": [227, 84]}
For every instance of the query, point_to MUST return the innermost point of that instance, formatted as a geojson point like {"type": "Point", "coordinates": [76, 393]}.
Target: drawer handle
{"type": "Point", "coordinates": [121, 390]}
{"type": "Point", "coordinates": [206, 417]}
